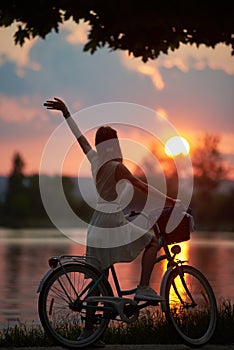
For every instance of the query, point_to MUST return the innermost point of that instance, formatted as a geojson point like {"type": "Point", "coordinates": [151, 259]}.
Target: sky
{"type": "Point", "coordinates": [192, 88]}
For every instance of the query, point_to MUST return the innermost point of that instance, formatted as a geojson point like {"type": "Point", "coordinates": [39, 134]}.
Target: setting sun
{"type": "Point", "coordinates": [177, 145]}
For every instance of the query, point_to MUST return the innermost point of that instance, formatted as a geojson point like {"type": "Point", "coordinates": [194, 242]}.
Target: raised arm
{"type": "Point", "coordinates": [59, 105]}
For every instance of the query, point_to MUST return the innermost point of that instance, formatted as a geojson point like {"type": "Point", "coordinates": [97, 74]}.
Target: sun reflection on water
{"type": "Point", "coordinates": [183, 255]}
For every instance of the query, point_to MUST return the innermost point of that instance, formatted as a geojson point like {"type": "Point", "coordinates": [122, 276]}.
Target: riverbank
{"type": "Point", "coordinates": [150, 329]}
{"type": "Point", "coordinates": [137, 347]}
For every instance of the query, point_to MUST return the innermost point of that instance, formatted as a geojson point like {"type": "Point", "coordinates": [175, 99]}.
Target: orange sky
{"type": "Point", "coordinates": [192, 87]}
{"type": "Point", "coordinates": [32, 151]}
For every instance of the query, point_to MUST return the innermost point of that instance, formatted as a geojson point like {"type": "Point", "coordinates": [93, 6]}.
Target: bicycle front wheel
{"type": "Point", "coordinates": [191, 305]}
{"type": "Point", "coordinates": [64, 314]}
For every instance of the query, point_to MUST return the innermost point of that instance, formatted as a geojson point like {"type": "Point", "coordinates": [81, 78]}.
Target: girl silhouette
{"type": "Point", "coordinates": [110, 237]}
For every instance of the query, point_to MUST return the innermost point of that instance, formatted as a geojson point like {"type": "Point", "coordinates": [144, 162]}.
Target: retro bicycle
{"type": "Point", "coordinates": [76, 299]}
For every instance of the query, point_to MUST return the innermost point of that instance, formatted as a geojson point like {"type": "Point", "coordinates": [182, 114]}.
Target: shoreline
{"type": "Point", "coordinates": [135, 347]}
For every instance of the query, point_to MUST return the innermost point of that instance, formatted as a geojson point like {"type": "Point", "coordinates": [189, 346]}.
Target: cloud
{"type": "Point", "coordinates": [191, 57]}
{"type": "Point", "coordinates": [15, 53]}
{"type": "Point", "coordinates": [21, 109]}
{"type": "Point", "coordinates": [20, 55]}
{"type": "Point", "coordinates": [162, 113]}
{"type": "Point", "coordinates": [150, 69]}
{"type": "Point", "coordinates": [78, 34]}
{"type": "Point", "coordinates": [185, 59]}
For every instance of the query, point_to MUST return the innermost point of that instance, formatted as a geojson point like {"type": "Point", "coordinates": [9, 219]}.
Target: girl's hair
{"type": "Point", "coordinates": [105, 133]}
{"type": "Point", "coordinates": [107, 144]}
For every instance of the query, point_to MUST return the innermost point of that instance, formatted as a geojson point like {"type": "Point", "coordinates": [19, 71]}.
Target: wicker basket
{"type": "Point", "coordinates": [181, 233]}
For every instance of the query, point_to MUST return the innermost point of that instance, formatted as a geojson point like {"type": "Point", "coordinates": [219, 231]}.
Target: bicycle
{"type": "Point", "coordinates": [75, 297]}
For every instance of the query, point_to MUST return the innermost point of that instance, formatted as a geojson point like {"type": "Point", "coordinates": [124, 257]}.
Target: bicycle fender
{"type": "Point", "coordinates": [65, 262]}
{"type": "Point", "coordinates": [163, 287]}
{"type": "Point", "coordinates": [44, 278]}
{"type": "Point", "coordinates": [68, 262]}
{"type": "Point", "coordinates": [50, 271]}
{"type": "Point", "coordinates": [79, 261]}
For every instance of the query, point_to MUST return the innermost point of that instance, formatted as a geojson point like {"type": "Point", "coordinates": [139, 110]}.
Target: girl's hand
{"type": "Point", "coordinates": [178, 202]}
{"type": "Point", "coordinates": [171, 202]}
{"type": "Point", "coordinates": [57, 105]}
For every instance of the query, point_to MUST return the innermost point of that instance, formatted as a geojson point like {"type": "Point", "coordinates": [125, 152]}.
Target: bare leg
{"type": "Point", "coordinates": [147, 262]}
{"type": "Point", "coordinates": [90, 313]}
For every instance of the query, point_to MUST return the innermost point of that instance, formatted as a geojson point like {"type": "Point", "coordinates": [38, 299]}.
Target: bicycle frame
{"type": "Point", "coordinates": [94, 293]}
{"type": "Point", "coordinates": [116, 304]}
{"type": "Point", "coordinates": [172, 264]}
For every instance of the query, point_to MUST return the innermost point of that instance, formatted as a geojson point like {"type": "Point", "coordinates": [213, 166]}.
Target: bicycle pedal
{"type": "Point", "coordinates": [119, 304]}
{"type": "Point", "coordinates": [150, 301]}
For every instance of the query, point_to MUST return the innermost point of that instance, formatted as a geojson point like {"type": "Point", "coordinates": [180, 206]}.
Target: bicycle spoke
{"type": "Point", "coordinates": [191, 306]}
{"type": "Point", "coordinates": [63, 315]}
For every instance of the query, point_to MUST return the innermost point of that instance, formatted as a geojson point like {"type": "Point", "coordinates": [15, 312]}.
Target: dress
{"type": "Point", "coordinates": [111, 238]}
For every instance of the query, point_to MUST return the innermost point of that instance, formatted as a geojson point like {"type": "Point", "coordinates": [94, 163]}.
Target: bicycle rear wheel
{"type": "Point", "coordinates": [64, 314]}
{"type": "Point", "coordinates": [191, 305]}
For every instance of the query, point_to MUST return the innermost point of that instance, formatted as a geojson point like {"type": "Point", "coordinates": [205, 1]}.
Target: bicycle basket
{"type": "Point", "coordinates": [181, 233]}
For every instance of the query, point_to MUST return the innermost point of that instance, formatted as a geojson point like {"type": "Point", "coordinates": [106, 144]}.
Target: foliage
{"type": "Point", "coordinates": [143, 28]}
{"type": "Point", "coordinates": [150, 328]}
{"type": "Point", "coordinates": [208, 164]}
{"type": "Point", "coordinates": [224, 332]}
{"type": "Point", "coordinates": [24, 336]}
{"type": "Point", "coordinates": [214, 213]}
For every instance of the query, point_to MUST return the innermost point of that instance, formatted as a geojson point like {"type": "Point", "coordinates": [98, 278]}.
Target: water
{"type": "Point", "coordinates": [24, 255]}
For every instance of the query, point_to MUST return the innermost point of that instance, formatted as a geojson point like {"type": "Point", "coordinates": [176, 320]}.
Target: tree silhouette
{"type": "Point", "coordinates": [212, 208]}
{"type": "Point", "coordinates": [208, 164]}
{"type": "Point", "coordinates": [144, 28]}
{"type": "Point", "coordinates": [16, 202]}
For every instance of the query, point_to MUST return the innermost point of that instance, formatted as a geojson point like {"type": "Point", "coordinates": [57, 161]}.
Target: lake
{"type": "Point", "coordinates": [24, 255]}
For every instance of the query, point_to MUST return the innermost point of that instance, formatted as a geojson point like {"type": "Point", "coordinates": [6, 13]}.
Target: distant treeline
{"type": "Point", "coordinates": [22, 206]}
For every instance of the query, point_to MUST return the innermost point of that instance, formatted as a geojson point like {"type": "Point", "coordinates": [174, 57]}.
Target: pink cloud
{"type": "Point", "coordinates": [30, 149]}
{"type": "Point", "coordinates": [21, 109]}
{"type": "Point", "coordinates": [77, 33]}
{"type": "Point", "coordinates": [15, 53]}
{"type": "Point", "coordinates": [191, 57]}
{"type": "Point", "coordinates": [184, 59]}
{"type": "Point", "coordinates": [149, 69]}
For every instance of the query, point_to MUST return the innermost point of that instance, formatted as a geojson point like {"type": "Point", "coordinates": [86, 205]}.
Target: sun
{"type": "Point", "coordinates": [176, 145]}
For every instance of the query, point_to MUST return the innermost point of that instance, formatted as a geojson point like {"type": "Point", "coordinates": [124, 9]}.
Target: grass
{"type": "Point", "coordinates": [150, 328]}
